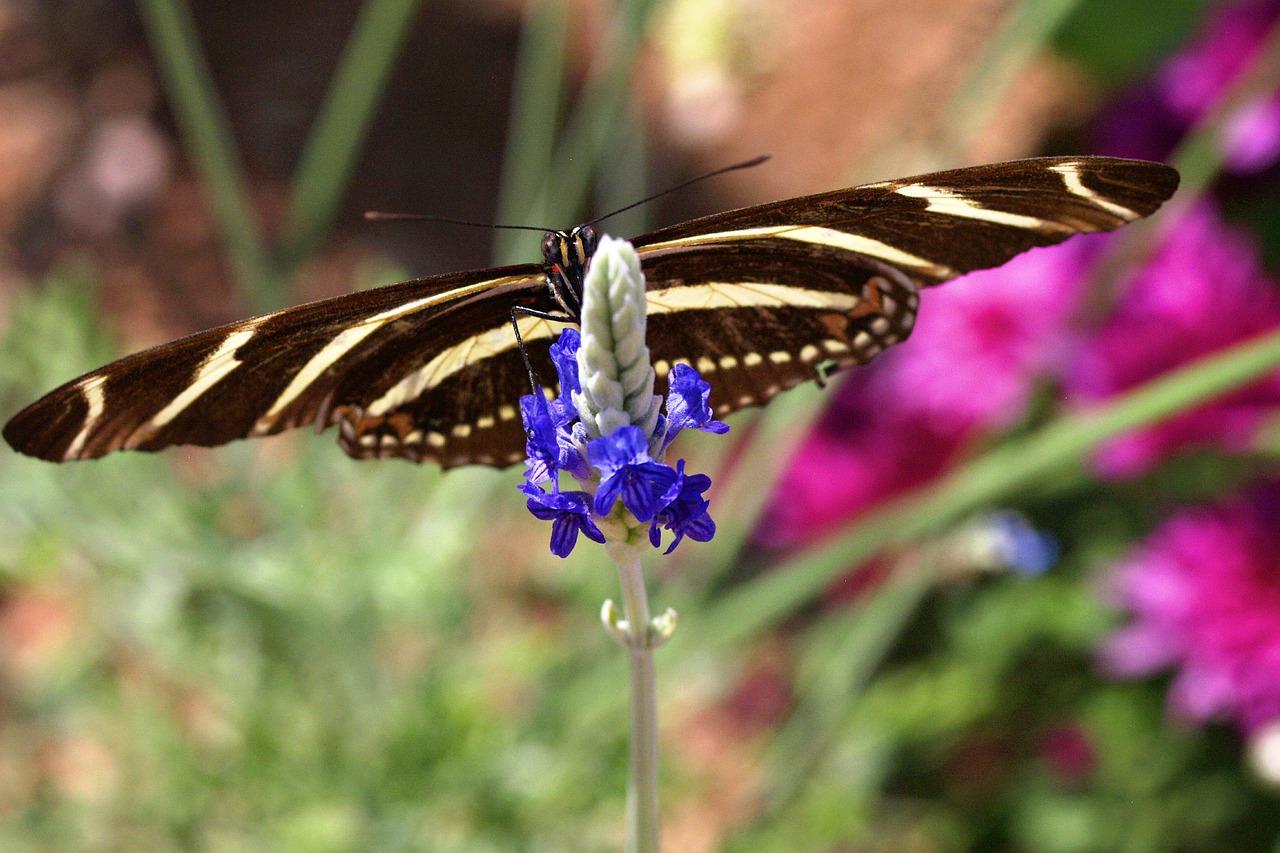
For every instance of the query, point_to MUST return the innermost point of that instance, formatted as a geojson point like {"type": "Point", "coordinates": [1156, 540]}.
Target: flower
{"type": "Point", "coordinates": [627, 471]}
{"type": "Point", "coordinates": [686, 515]}
{"type": "Point", "coordinates": [551, 444]}
{"type": "Point", "coordinates": [542, 445]}
{"type": "Point", "coordinates": [564, 355]}
{"type": "Point", "coordinates": [620, 465]}
{"type": "Point", "coordinates": [1006, 540]}
{"type": "Point", "coordinates": [1201, 292]}
{"type": "Point", "coordinates": [606, 427]}
{"type": "Point", "coordinates": [1150, 121]}
{"type": "Point", "coordinates": [687, 405]}
{"type": "Point", "coordinates": [1204, 594]}
{"type": "Point", "coordinates": [569, 514]}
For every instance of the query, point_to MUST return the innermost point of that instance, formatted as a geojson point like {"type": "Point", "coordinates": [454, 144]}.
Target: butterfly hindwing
{"type": "Point", "coordinates": [756, 319]}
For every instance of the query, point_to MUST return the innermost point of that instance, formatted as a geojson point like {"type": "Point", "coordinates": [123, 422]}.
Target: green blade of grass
{"type": "Point", "coordinates": [591, 127]}
{"type": "Point", "coordinates": [340, 129]}
{"type": "Point", "coordinates": [536, 100]}
{"type": "Point", "coordinates": [848, 647]}
{"type": "Point", "coordinates": [206, 132]}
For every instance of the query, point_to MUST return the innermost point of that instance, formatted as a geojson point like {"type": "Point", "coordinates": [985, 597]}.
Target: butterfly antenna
{"type": "Point", "coordinates": [745, 164]}
{"type": "Point", "coordinates": [383, 216]}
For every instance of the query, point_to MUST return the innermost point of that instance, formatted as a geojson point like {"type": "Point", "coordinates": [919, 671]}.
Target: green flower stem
{"type": "Point", "coordinates": [334, 142]}
{"type": "Point", "coordinates": [207, 133]}
{"type": "Point", "coordinates": [643, 814]}
{"type": "Point", "coordinates": [991, 478]}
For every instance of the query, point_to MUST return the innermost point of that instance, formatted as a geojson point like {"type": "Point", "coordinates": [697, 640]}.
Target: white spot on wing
{"type": "Point", "coordinates": [954, 204]}
{"type": "Point", "coordinates": [816, 235]}
{"type": "Point", "coordinates": [1070, 173]}
{"type": "Point", "coordinates": [211, 371]}
{"type": "Point", "coordinates": [95, 399]}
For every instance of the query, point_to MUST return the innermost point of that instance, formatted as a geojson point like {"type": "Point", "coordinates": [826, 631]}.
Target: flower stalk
{"type": "Point", "coordinates": [607, 430]}
{"type": "Point", "coordinates": [643, 812]}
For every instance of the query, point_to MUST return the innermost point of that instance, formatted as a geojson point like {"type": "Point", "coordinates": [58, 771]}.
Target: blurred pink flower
{"type": "Point", "coordinates": [980, 344]}
{"type": "Point", "coordinates": [1151, 120]}
{"type": "Point", "coordinates": [983, 340]}
{"type": "Point", "coordinates": [1202, 291]}
{"type": "Point", "coordinates": [1204, 593]}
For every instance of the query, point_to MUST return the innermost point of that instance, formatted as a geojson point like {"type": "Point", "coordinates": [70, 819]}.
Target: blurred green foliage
{"type": "Point", "coordinates": [1120, 40]}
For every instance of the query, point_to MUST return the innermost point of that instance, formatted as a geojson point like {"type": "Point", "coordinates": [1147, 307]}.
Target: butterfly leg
{"type": "Point", "coordinates": [515, 327]}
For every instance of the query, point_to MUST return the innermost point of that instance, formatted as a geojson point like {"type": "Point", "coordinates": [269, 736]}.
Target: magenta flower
{"type": "Point", "coordinates": [983, 340]}
{"type": "Point", "coordinates": [864, 452]}
{"type": "Point", "coordinates": [1202, 292]}
{"type": "Point", "coordinates": [980, 345]}
{"type": "Point", "coordinates": [1151, 120]}
{"type": "Point", "coordinates": [1204, 593]}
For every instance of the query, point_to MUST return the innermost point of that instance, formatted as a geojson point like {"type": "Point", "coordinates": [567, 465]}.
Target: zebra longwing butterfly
{"type": "Point", "coordinates": [757, 299]}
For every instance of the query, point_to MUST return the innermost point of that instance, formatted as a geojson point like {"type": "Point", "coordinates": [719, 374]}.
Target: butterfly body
{"type": "Point", "coordinates": [757, 299]}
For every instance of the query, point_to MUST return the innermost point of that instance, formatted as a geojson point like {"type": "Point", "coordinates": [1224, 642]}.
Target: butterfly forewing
{"type": "Point", "coordinates": [769, 296]}
{"type": "Point", "coordinates": [758, 299]}
{"type": "Point", "coordinates": [304, 365]}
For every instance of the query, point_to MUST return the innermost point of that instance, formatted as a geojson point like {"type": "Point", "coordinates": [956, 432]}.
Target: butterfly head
{"type": "Point", "coordinates": [569, 251]}
{"type": "Point", "coordinates": [566, 255]}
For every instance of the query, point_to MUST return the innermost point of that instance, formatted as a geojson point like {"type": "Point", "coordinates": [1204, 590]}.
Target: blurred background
{"type": "Point", "coordinates": [1015, 587]}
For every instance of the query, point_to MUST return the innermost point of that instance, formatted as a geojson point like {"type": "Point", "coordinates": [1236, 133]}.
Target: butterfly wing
{"type": "Point", "coordinates": [396, 367]}
{"type": "Point", "coordinates": [763, 298]}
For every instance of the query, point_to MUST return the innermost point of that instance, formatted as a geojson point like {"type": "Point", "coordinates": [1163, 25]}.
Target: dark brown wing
{"type": "Point", "coordinates": [759, 299]}
{"type": "Point", "coordinates": [763, 298]}
{"type": "Point", "coordinates": [358, 360]}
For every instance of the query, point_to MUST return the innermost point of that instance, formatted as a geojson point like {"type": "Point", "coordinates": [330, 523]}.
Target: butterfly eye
{"type": "Point", "coordinates": [550, 247]}
{"type": "Point", "coordinates": [588, 236]}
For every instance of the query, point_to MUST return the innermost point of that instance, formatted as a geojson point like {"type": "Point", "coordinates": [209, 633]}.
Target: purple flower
{"type": "Point", "coordinates": [627, 471]}
{"type": "Point", "coordinates": [1204, 594]}
{"type": "Point", "coordinates": [564, 355]}
{"type": "Point", "coordinates": [984, 339]}
{"type": "Point", "coordinates": [569, 514]}
{"type": "Point", "coordinates": [542, 445]}
{"type": "Point", "coordinates": [1201, 292]}
{"type": "Point", "coordinates": [652, 491]}
{"type": "Point", "coordinates": [552, 444]}
{"type": "Point", "coordinates": [687, 405]}
{"type": "Point", "coordinates": [1150, 121]}
{"type": "Point", "coordinates": [687, 514]}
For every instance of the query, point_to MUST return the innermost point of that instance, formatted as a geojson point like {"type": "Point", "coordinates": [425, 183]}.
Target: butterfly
{"type": "Point", "coordinates": [758, 299]}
